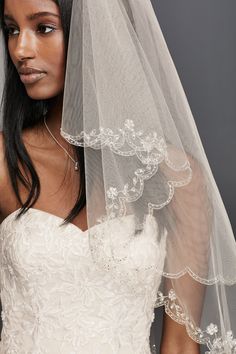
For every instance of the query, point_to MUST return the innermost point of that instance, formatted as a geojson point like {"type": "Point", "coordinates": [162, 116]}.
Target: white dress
{"type": "Point", "coordinates": [57, 300]}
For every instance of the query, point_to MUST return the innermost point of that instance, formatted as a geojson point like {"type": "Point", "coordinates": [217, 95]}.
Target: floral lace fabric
{"type": "Point", "coordinates": [56, 300]}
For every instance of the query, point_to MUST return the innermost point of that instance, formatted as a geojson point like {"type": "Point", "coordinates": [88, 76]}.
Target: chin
{"type": "Point", "coordinates": [42, 94]}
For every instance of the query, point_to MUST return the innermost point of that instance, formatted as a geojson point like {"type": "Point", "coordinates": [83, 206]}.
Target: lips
{"type": "Point", "coordinates": [30, 75]}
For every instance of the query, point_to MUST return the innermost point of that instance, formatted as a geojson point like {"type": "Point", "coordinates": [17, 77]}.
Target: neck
{"type": "Point", "coordinates": [54, 117]}
{"type": "Point", "coordinates": [53, 120]}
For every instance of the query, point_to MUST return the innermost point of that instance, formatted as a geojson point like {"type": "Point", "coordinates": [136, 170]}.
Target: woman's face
{"type": "Point", "coordinates": [36, 45]}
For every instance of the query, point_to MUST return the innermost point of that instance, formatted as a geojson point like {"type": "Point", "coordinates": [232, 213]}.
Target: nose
{"type": "Point", "coordinates": [25, 47]}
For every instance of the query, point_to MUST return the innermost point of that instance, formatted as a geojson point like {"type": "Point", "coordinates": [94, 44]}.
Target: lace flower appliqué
{"type": "Point", "coordinates": [209, 337]}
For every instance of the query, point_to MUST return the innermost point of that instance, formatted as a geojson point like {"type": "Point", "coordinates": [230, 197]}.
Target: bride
{"type": "Point", "coordinates": [86, 86]}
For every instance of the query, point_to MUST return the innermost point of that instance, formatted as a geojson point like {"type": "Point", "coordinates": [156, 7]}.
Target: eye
{"type": "Point", "coordinates": [10, 30]}
{"type": "Point", "coordinates": [45, 29]}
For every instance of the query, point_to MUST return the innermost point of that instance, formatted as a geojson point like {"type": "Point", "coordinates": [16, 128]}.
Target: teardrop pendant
{"type": "Point", "coordinates": [76, 166]}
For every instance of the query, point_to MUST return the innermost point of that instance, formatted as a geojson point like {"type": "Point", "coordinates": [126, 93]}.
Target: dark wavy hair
{"type": "Point", "coordinates": [21, 112]}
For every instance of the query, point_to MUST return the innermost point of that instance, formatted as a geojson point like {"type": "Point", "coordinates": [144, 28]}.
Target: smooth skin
{"type": "Point", "coordinates": [38, 42]}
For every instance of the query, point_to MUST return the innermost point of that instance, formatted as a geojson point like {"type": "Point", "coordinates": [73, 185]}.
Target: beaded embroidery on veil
{"type": "Point", "coordinates": [133, 119]}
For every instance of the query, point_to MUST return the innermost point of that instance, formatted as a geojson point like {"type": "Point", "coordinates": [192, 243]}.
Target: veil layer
{"type": "Point", "coordinates": [155, 215]}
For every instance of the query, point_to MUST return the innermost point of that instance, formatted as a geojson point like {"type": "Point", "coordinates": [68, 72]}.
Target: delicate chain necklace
{"type": "Point", "coordinates": [67, 153]}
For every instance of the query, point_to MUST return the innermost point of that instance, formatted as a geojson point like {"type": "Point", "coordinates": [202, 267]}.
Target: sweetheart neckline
{"type": "Point", "coordinates": [73, 226]}
{"type": "Point", "coordinates": [51, 215]}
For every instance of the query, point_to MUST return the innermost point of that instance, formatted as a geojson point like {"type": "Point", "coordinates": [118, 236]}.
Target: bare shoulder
{"type": "Point", "coordinates": [4, 179]}
{"type": "Point", "coordinates": [2, 160]}
{"type": "Point", "coordinates": [1, 169]}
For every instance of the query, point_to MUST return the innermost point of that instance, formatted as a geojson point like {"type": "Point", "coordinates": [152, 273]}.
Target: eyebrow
{"type": "Point", "coordinates": [34, 16]}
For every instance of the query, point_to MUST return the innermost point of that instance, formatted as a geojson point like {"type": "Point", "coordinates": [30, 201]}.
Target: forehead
{"type": "Point", "coordinates": [25, 7]}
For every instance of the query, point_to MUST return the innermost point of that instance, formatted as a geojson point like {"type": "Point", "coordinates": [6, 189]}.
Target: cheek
{"type": "Point", "coordinates": [11, 52]}
{"type": "Point", "coordinates": [55, 60]}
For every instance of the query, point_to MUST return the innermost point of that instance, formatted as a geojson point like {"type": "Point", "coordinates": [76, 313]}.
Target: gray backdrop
{"type": "Point", "coordinates": [201, 37]}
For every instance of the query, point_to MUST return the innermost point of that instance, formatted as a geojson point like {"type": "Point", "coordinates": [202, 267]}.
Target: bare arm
{"type": "Point", "coordinates": [188, 246]}
{"type": "Point", "coordinates": [175, 339]}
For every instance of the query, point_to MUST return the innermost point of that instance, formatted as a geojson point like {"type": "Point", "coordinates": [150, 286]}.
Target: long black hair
{"type": "Point", "coordinates": [21, 112]}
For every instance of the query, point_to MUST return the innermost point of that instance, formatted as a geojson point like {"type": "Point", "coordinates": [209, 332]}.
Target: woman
{"type": "Point", "coordinates": [61, 290]}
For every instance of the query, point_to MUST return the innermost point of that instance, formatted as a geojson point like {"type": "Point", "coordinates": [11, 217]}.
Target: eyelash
{"type": "Point", "coordinates": [9, 28]}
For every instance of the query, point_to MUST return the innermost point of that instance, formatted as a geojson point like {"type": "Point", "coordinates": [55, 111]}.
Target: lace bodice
{"type": "Point", "coordinates": [57, 300]}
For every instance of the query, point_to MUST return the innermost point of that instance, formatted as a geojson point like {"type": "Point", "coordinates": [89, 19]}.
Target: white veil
{"type": "Point", "coordinates": [147, 175]}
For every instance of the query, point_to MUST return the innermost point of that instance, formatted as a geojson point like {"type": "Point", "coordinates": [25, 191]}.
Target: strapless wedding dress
{"type": "Point", "coordinates": [59, 299]}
